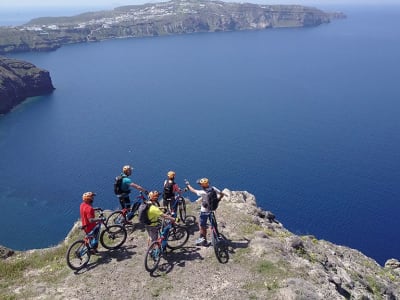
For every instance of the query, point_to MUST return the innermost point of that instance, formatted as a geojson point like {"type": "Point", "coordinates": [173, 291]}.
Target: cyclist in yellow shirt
{"type": "Point", "coordinates": [154, 214]}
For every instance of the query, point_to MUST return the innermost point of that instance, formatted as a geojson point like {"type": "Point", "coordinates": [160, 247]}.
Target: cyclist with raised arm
{"type": "Point", "coordinates": [126, 185]}
{"type": "Point", "coordinates": [154, 213]}
{"type": "Point", "coordinates": [88, 219]}
{"type": "Point", "coordinates": [170, 190]}
{"type": "Point", "coordinates": [205, 206]}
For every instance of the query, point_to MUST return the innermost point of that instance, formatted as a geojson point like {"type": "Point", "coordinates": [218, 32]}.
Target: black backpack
{"type": "Point", "coordinates": [118, 184]}
{"type": "Point", "coordinates": [168, 192]}
{"type": "Point", "coordinates": [143, 213]}
{"type": "Point", "coordinates": [213, 199]}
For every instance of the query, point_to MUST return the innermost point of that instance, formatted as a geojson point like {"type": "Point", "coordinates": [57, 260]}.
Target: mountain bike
{"type": "Point", "coordinates": [218, 241]}
{"type": "Point", "coordinates": [112, 237]}
{"type": "Point", "coordinates": [121, 216]}
{"type": "Point", "coordinates": [172, 236]}
{"type": "Point", "coordinates": [179, 206]}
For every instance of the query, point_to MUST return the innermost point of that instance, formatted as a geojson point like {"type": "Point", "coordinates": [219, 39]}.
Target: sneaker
{"type": "Point", "coordinates": [200, 241]}
{"type": "Point", "coordinates": [206, 244]}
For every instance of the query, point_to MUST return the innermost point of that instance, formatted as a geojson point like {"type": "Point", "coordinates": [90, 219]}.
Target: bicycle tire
{"type": "Point", "coordinates": [190, 220]}
{"type": "Point", "coordinates": [182, 210]}
{"type": "Point", "coordinates": [152, 257]}
{"type": "Point", "coordinates": [177, 237]}
{"type": "Point", "coordinates": [113, 237]}
{"type": "Point", "coordinates": [116, 218]}
{"type": "Point", "coordinates": [220, 249]}
{"type": "Point", "coordinates": [78, 255]}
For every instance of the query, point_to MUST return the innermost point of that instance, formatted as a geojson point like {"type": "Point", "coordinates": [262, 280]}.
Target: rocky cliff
{"type": "Point", "coordinates": [266, 261]}
{"type": "Point", "coordinates": [20, 80]}
{"type": "Point", "coordinates": [155, 19]}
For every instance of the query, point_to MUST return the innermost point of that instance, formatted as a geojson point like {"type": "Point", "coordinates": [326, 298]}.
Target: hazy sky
{"type": "Point", "coordinates": [115, 3]}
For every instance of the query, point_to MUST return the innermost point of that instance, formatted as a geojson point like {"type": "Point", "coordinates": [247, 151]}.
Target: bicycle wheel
{"type": "Point", "coordinates": [116, 217]}
{"type": "Point", "coordinates": [220, 249]}
{"type": "Point", "coordinates": [190, 220]}
{"type": "Point", "coordinates": [113, 236]}
{"type": "Point", "coordinates": [78, 255]}
{"type": "Point", "coordinates": [152, 257]}
{"type": "Point", "coordinates": [177, 237]}
{"type": "Point", "coordinates": [182, 210]}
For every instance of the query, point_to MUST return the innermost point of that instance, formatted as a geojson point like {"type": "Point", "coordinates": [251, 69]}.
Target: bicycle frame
{"type": "Point", "coordinates": [135, 205]}
{"type": "Point", "coordinates": [121, 216]}
{"type": "Point", "coordinates": [163, 233]}
{"type": "Point", "coordinates": [93, 234]}
{"type": "Point", "coordinates": [213, 224]}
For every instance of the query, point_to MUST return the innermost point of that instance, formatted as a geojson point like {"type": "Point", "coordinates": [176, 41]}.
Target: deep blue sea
{"type": "Point", "coordinates": [307, 120]}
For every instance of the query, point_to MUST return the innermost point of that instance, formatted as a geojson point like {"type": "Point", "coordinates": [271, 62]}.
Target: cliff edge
{"type": "Point", "coordinates": [266, 262]}
{"type": "Point", "coordinates": [20, 80]}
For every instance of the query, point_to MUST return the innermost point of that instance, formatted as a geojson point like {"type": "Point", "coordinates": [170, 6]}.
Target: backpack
{"type": "Point", "coordinates": [213, 199]}
{"type": "Point", "coordinates": [118, 185]}
{"type": "Point", "coordinates": [143, 213]}
{"type": "Point", "coordinates": [168, 189]}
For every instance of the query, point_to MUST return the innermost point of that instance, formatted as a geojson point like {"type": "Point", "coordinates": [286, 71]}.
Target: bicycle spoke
{"type": "Point", "coordinates": [190, 220]}
{"type": "Point", "coordinates": [177, 237]}
{"type": "Point", "coordinates": [78, 255]}
{"type": "Point", "coordinates": [116, 217]}
{"type": "Point", "coordinates": [113, 236]}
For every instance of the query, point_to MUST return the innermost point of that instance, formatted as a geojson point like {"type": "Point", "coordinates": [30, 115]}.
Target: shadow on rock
{"type": "Point", "coordinates": [233, 245]}
{"type": "Point", "coordinates": [106, 256]}
{"type": "Point", "coordinates": [178, 258]}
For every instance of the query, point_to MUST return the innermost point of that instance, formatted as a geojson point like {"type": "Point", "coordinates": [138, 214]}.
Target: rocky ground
{"type": "Point", "coordinates": [266, 262]}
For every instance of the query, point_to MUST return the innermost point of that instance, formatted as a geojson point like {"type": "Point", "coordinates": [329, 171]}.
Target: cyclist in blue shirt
{"type": "Point", "coordinates": [126, 186]}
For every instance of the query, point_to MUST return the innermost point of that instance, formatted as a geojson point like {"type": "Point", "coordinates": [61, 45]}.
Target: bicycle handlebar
{"type": "Point", "coordinates": [141, 195]}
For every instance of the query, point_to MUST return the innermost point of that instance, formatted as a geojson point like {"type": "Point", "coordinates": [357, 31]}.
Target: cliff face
{"type": "Point", "coordinates": [20, 80]}
{"type": "Point", "coordinates": [155, 19]}
{"type": "Point", "coordinates": [266, 261]}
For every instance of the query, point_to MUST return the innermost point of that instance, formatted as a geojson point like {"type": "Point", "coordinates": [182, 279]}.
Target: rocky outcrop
{"type": "Point", "coordinates": [5, 252]}
{"type": "Point", "coordinates": [266, 261]}
{"type": "Point", "coordinates": [20, 80]}
{"type": "Point", "coordinates": [156, 19]}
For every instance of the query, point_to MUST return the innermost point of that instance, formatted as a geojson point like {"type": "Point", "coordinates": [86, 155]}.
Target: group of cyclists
{"type": "Point", "coordinates": [155, 213]}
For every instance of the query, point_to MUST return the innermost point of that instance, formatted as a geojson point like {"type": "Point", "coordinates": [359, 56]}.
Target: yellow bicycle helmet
{"type": "Point", "coordinates": [171, 174]}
